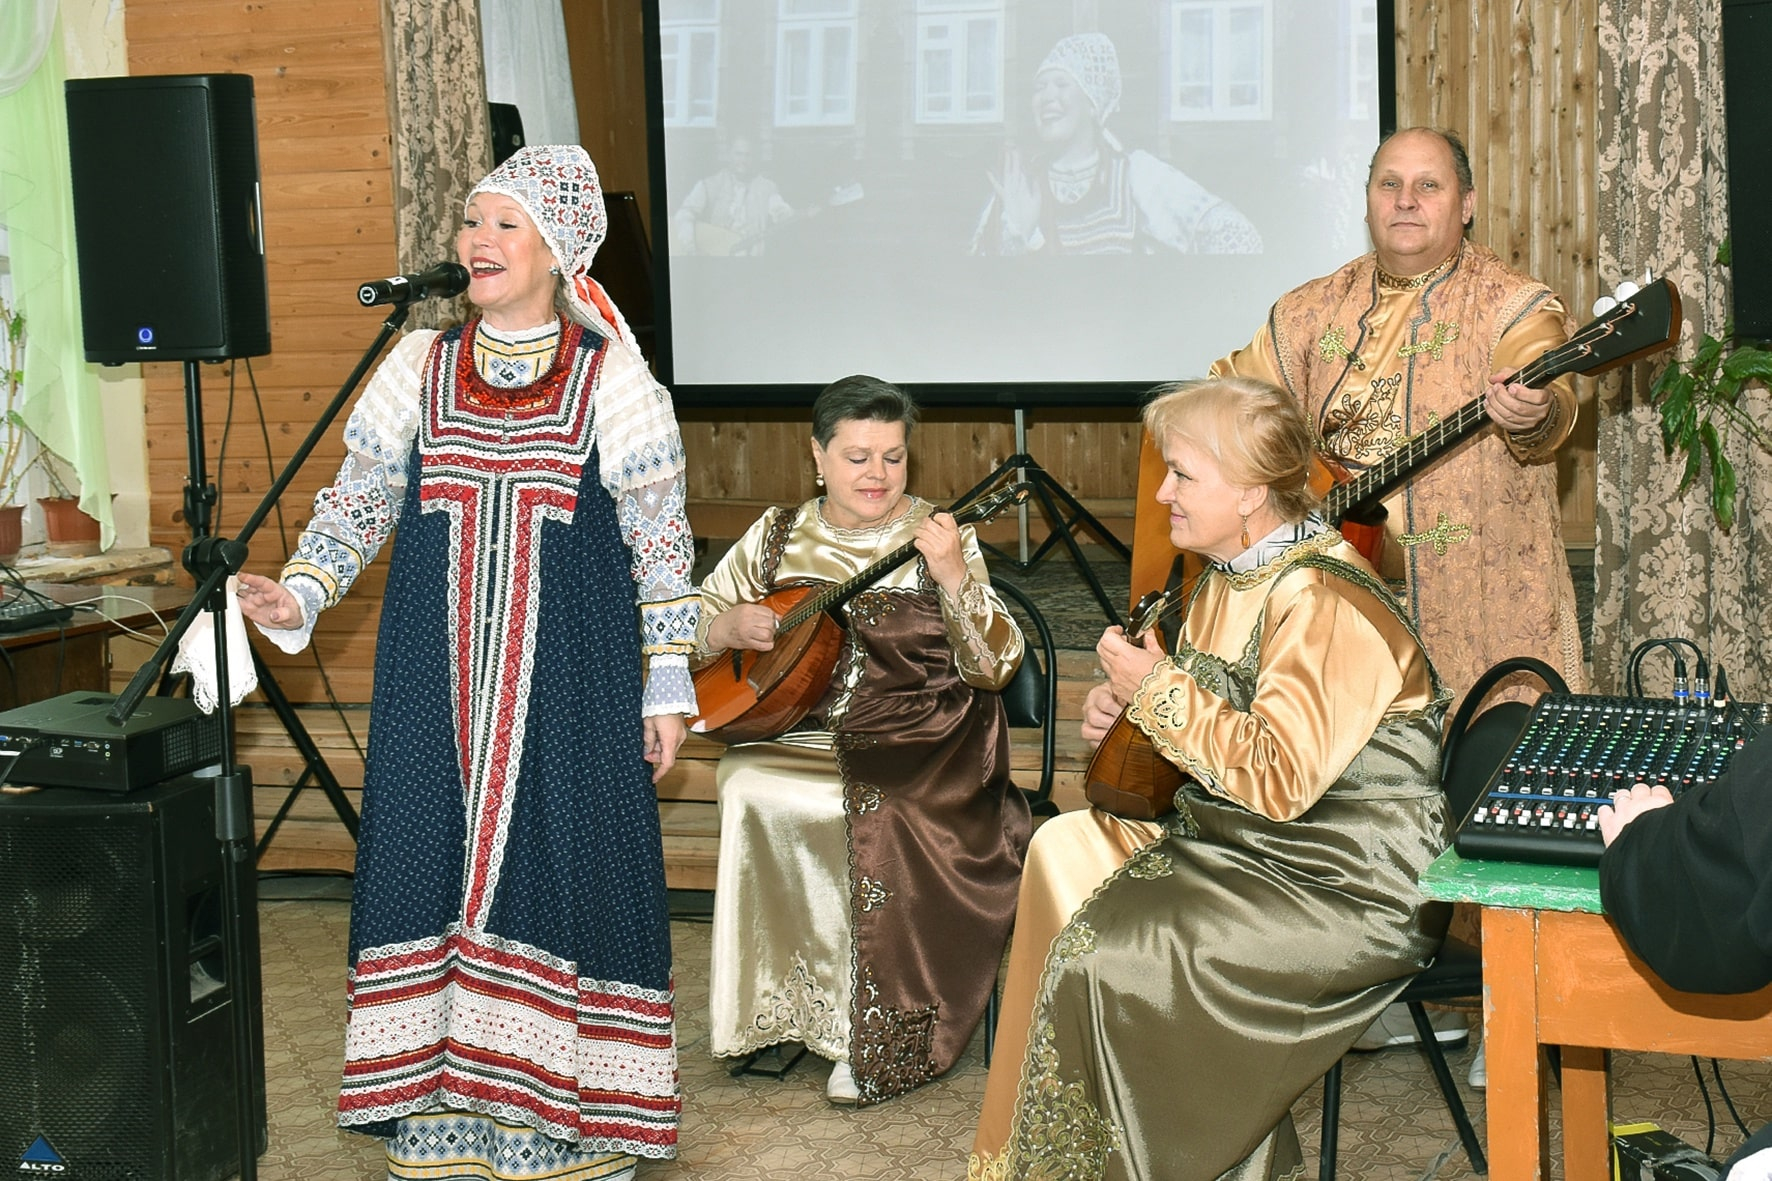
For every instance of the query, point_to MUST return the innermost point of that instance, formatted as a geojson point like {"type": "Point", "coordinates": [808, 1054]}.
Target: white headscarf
{"type": "Point", "coordinates": [1090, 59]}
{"type": "Point", "coordinates": [557, 186]}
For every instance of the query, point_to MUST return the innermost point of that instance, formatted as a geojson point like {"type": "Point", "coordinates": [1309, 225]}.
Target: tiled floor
{"type": "Point", "coordinates": [1394, 1126]}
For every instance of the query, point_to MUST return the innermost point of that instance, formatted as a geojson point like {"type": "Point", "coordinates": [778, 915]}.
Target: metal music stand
{"type": "Point", "coordinates": [1023, 466]}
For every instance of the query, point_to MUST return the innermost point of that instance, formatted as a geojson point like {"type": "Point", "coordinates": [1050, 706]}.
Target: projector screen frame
{"type": "Point", "coordinates": [972, 394]}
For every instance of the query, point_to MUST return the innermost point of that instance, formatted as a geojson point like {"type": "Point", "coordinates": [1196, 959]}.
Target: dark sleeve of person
{"type": "Point", "coordinates": [1690, 885]}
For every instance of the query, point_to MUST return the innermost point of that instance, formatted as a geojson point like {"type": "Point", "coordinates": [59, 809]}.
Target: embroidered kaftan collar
{"type": "Point", "coordinates": [1416, 282]}
{"type": "Point", "coordinates": [1277, 550]}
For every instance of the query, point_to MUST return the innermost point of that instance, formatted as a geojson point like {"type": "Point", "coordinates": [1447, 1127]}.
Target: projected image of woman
{"type": "Point", "coordinates": [1082, 192]}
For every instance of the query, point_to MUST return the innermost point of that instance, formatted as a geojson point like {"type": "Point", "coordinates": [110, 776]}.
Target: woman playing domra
{"type": "Point", "coordinates": [869, 857]}
{"type": "Point", "coordinates": [1175, 985]}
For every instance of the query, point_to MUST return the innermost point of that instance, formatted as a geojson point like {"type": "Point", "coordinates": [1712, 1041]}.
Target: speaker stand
{"type": "Point", "coordinates": [200, 498]}
{"type": "Point", "coordinates": [212, 560]}
{"type": "Point", "coordinates": [1024, 467]}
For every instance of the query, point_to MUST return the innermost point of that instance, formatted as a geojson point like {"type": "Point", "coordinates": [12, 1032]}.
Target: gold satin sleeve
{"type": "Point", "coordinates": [988, 644]}
{"type": "Point", "coordinates": [1330, 673]}
{"type": "Point", "coordinates": [1537, 332]}
{"type": "Point", "coordinates": [1257, 359]}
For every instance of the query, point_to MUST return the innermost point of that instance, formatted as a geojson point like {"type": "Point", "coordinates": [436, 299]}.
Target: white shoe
{"type": "Point", "coordinates": [841, 1087]}
{"type": "Point", "coordinates": [1394, 1027]}
{"type": "Point", "coordinates": [1479, 1075]}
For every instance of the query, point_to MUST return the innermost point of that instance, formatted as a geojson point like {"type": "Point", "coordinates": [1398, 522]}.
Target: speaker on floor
{"type": "Point", "coordinates": [167, 217]}
{"type": "Point", "coordinates": [116, 1028]}
{"type": "Point", "coordinates": [1747, 114]}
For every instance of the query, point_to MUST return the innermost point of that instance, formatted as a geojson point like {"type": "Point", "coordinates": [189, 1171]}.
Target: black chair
{"type": "Point", "coordinates": [1030, 699]}
{"type": "Point", "coordinates": [1469, 756]}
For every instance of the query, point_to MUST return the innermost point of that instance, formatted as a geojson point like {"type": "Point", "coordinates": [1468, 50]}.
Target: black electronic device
{"type": "Point", "coordinates": [27, 612]}
{"type": "Point", "coordinates": [1747, 120]}
{"type": "Point", "coordinates": [507, 131]}
{"type": "Point", "coordinates": [68, 741]}
{"type": "Point", "coordinates": [115, 1035]}
{"type": "Point", "coordinates": [167, 217]}
{"type": "Point", "coordinates": [1576, 750]}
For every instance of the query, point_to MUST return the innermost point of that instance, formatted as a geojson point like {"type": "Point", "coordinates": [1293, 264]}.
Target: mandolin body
{"type": "Point", "coordinates": [747, 696]}
{"type": "Point", "coordinates": [1127, 776]}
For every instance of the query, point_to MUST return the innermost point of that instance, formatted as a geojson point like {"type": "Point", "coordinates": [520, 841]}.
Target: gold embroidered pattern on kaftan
{"type": "Point", "coordinates": [894, 1048]}
{"type": "Point", "coordinates": [1445, 332]}
{"type": "Point", "coordinates": [1442, 536]}
{"type": "Point", "coordinates": [801, 1010]}
{"type": "Point", "coordinates": [1367, 426]}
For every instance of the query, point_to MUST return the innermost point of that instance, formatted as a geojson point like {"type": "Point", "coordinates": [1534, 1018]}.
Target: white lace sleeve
{"type": "Point", "coordinates": [642, 457]}
{"type": "Point", "coordinates": [354, 517]}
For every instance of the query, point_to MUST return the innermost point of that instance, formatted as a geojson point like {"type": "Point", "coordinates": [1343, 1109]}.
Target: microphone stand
{"type": "Point", "coordinates": [211, 560]}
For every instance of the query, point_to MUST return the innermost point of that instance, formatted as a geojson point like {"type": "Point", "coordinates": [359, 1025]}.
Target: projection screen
{"type": "Point", "coordinates": [997, 201]}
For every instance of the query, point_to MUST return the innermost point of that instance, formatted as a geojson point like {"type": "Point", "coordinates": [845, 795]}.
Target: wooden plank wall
{"type": "Point", "coordinates": [318, 79]}
{"type": "Point", "coordinates": [1522, 92]}
{"type": "Point", "coordinates": [1520, 86]}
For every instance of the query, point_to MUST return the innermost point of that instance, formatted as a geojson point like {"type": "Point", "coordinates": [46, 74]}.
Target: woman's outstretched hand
{"type": "Point", "coordinates": [268, 603]}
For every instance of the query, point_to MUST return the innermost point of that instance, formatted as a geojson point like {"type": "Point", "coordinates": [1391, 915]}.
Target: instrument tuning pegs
{"type": "Point", "coordinates": [1603, 305]}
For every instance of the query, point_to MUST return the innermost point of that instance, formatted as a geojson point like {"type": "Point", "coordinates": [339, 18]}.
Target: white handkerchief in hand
{"type": "Point", "coordinates": [196, 655]}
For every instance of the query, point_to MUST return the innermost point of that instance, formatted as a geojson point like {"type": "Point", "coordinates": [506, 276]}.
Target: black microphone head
{"type": "Point", "coordinates": [446, 280]}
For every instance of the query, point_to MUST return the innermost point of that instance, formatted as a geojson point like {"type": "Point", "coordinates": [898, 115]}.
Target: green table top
{"type": "Point", "coordinates": [1512, 884]}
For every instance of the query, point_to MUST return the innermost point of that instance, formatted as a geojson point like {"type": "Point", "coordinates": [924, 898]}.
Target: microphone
{"type": "Point", "coordinates": [446, 279]}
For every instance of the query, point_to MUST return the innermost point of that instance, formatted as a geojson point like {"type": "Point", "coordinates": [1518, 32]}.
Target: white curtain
{"type": "Point", "coordinates": [526, 64]}
{"type": "Point", "coordinates": [25, 28]}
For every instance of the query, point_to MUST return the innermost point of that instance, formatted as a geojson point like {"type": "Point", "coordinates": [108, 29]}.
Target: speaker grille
{"type": "Point", "coordinates": [76, 1022]}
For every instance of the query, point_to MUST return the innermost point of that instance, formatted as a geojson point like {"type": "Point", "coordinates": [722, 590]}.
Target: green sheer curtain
{"type": "Point", "coordinates": [62, 402]}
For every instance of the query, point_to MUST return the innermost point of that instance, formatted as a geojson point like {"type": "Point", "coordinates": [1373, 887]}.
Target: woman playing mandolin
{"type": "Point", "coordinates": [869, 856]}
{"type": "Point", "coordinates": [1174, 985]}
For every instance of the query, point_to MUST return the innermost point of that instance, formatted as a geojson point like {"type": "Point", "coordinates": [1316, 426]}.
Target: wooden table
{"type": "Point", "coordinates": [1556, 973]}
{"type": "Point", "coordinates": [47, 661]}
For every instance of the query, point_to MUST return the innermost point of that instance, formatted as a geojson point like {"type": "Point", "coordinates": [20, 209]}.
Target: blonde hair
{"type": "Point", "coordinates": [1254, 431]}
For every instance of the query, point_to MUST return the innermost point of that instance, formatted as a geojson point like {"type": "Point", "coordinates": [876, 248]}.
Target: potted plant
{"type": "Point", "coordinates": [1701, 407]}
{"type": "Point", "coordinates": [68, 530]}
{"type": "Point", "coordinates": [16, 455]}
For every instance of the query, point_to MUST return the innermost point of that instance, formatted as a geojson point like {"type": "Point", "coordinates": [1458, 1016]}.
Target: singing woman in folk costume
{"type": "Point", "coordinates": [869, 857]}
{"type": "Point", "coordinates": [1175, 985]}
{"type": "Point", "coordinates": [510, 985]}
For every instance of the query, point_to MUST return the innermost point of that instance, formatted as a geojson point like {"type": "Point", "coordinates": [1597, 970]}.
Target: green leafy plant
{"type": "Point", "coordinates": [1701, 410]}
{"type": "Point", "coordinates": [16, 453]}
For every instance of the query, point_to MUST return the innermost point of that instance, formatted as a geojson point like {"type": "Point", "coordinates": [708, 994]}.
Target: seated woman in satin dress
{"type": "Point", "coordinates": [869, 857]}
{"type": "Point", "coordinates": [1175, 985]}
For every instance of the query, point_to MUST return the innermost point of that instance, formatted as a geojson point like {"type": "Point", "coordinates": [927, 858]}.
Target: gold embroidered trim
{"type": "Point", "coordinates": [1244, 579]}
{"type": "Point", "coordinates": [1333, 346]}
{"type": "Point", "coordinates": [1442, 536]}
{"type": "Point", "coordinates": [1150, 863]}
{"type": "Point", "coordinates": [862, 798]}
{"type": "Point", "coordinates": [873, 895]}
{"type": "Point", "coordinates": [1415, 282]}
{"type": "Point", "coordinates": [800, 1010]}
{"type": "Point", "coordinates": [894, 1048]}
{"type": "Point", "coordinates": [1445, 332]}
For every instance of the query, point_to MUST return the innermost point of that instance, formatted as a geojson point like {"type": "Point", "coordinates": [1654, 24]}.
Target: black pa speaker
{"type": "Point", "coordinates": [507, 131]}
{"type": "Point", "coordinates": [167, 218]}
{"type": "Point", "coordinates": [1747, 112]}
{"type": "Point", "coordinates": [116, 1028]}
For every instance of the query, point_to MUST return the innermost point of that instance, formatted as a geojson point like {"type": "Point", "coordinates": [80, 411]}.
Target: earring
{"type": "Point", "coordinates": [818, 478]}
{"type": "Point", "coordinates": [1245, 530]}
{"type": "Point", "coordinates": [553, 270]}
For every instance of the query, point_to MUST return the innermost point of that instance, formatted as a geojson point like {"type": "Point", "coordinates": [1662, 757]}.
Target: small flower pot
{"type": "Point", "coordinates": [12, 534]}
{"type": "Point", "coordinates": [70, 533]}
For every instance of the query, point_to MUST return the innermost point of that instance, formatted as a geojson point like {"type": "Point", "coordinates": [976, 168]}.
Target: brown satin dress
{"type": "Point", "coordinates": [869, 860]}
